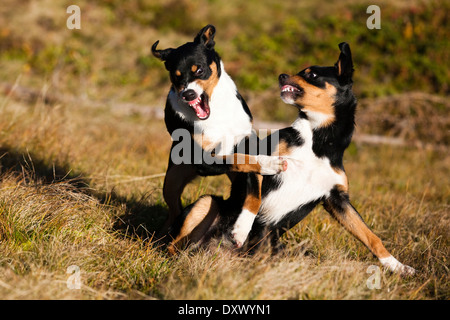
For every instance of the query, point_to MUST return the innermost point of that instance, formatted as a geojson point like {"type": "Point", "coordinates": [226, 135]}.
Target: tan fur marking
{"type": "Point", "coordinates": [199, 219]}
{"type": "Point", "coordinates": [178, 88]}
{"type": "Point", "coordinates": [253, 202]}
{"type": "Point", "coordinates": [316, 99]}
{"type": "Point", "coordinates": [209, 84]}
{"type": "Point", "coordinates": [282, 149]}
{"type": "Point", "coordinates": [239, 162]}
{"type": "Point", "coordinates": [194, 68]}
{"type": "Point", "coordinates": [208, 33]}
{"type": "Point", "coordinates": [343, 187]}
{"type": "Point", "coordinates": [178, 73]}
{"type": "Point", "coordinates": [356, 226]}
{"type": "Point", "coordinates": [364, 234]}
{"type": "Point", "coordinates": [243, 163]}
{"type": "Point", "coordinates": [203, 142]}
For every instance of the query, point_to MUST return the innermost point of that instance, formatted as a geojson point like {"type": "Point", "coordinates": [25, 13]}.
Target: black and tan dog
{"type": "Point", "coordinates": [204, 104]}
{"type": "Point", "coordinates": [313, 146]}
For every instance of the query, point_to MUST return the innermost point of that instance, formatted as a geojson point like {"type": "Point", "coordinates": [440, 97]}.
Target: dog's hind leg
{"type": "Point", "coordinates": [197, 222]}
{"type": "Point", "coordinates": [339, 206]}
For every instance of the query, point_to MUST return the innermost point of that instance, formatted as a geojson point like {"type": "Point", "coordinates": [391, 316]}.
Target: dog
{"type": "Point", "coordinates": [313, 146]}
{"type": "Point", "coordinates": [204, 102]}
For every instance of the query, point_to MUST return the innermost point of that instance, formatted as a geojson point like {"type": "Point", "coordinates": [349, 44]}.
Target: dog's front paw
{"type": "Point", "coordinates": [396, 266]}
{"type": "Point", "coordinates": [408, 271]}
{"type": "Point", "coordinates": [242, 227]}
{"type": "Point", "coordinates": [272, 165]}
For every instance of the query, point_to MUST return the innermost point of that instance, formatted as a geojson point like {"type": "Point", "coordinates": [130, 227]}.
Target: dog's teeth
{"type": "Point", "coordinates": [289, 89]}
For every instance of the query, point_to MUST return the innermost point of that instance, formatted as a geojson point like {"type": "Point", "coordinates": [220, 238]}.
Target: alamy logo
{"type": "Point", "coordinates": [374, 281]}
{"type": "Point", "coordinates": [74, 280]}
{"type": "Point", "coordinates": [374, 21]}
{"type": "Point", "coordinates": [74, 20]}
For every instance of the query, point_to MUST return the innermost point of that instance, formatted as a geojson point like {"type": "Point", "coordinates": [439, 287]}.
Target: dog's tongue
{"type": "Point", "coordinates": [201, 113]}
{"type": "Point", "coordinates": [200, 107]}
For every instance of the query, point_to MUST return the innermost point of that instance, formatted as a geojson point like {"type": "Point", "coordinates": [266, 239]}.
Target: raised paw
{"type": "Point", "coordinates": [272, 165]}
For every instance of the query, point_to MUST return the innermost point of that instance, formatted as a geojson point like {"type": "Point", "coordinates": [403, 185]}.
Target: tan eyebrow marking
{"type": "Point", "coordinates": [178, 73]}
{"type": "Point", "coordinates": [209, 84]}
{"type": "Point", "coordinates": [194, 68]}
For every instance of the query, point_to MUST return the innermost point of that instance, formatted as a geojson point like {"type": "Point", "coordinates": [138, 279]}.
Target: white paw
{"type": "Point", "coordinates": [242, 227]}
{"type": "Point", "coordinates": [396, 266]}
{"type": "Point", "coordinates": [408, 271]}
{"type": "Point", "coordinates": [271, 165]}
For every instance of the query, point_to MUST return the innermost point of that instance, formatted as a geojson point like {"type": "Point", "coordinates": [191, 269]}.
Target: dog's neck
{"type": "Point", "coordinates": [330, 140]}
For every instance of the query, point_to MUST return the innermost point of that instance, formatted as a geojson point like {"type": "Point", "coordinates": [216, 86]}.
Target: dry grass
{"type": "Point", "coordinates": [70, 194]}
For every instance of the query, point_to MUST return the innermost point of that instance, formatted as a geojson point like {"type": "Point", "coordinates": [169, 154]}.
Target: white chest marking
{"type": "Point", "coordinates": [227, 124]}
{"type": "Point", "coordinates": [307, 178]}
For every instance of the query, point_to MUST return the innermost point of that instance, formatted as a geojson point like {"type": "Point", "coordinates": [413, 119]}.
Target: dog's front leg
{"type": "Point", "coordinates": [250, 209]}
{"type": "Point", "coordinates": [176, 179]}
{"type": "Point", "coordinates": [261, 164]}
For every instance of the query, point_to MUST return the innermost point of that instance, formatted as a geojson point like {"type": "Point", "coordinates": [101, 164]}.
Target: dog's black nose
{"type": "Point", "coordinates": [283, 76]}
{"type": "Point", "coordinates": [189, 95]}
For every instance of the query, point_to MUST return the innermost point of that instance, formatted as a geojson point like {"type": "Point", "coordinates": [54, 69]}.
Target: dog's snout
{"type": "Point", "coordinates": [283, 77]}
{"type": "Point", "coordinates": [189, 95]}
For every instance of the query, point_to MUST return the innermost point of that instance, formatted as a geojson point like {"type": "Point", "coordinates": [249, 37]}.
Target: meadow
{"type": "Point", "coordinates": [83, 149]}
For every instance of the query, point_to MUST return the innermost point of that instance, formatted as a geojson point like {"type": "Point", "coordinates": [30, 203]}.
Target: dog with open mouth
{"type": "Point", "coordinates": [203, 100]}
{"type": "Point", "coordinates": [313, 146]}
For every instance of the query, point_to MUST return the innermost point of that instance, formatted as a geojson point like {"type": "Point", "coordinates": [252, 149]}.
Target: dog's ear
{"type": "Point", "coordinates": [344, 65]}
{"type": "Point", "coordinates": [160, 54]}
{"type": "Point", "coordinates": [206, 36]}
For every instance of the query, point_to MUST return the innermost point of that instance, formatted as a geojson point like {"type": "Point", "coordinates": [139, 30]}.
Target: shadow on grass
{"type": "Point", "coordinates": [140, 220]}
{"type": "Point", "coordinates": [33, 170]}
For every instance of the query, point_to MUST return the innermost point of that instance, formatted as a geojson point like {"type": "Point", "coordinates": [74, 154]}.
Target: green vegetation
{"type": "Point", "coordinates": [257, 40]}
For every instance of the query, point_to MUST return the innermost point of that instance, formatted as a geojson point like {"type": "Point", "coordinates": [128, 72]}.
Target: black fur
{"type": "Point", "coordinates": [199, 53]}
{"type": "Point", "coordinates": [315, 143]}
{"type": "Point", "coordinates": [327, 142]}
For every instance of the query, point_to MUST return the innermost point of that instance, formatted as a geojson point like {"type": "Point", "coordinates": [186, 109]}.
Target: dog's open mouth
{"type": "Point", "coordinates": [200, 106]}
{"type": "Point", "coordinates": [290, 93]}
{"type": "Point", "coordinates": [289, 88]}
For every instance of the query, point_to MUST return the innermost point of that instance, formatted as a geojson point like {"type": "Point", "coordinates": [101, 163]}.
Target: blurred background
{"type": "Point", "coordinates": [109, 59]}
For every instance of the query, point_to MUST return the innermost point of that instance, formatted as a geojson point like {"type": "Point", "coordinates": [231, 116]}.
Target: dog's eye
{"type": "Point", "coordinates": [310, 75]}
{"type": "Point", "coordinates": [199, 71]}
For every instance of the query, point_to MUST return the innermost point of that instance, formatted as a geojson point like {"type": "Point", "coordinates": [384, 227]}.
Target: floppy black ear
{"type": "Point", "coordinates": [160, 54]}
{"type": "Point", "coordinates": [206, 36]}
{"type": "Point", "coordinates": [344, 65]}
